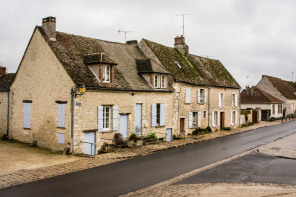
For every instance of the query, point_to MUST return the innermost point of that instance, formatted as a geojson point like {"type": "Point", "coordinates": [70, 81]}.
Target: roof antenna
{"type": "Point", "coordinates": [292, 76]}
{"type": "Point", "coordinates": [119, 31]}
{"type": "Point", "coordinates": [183, 22]}
{"type": "Point", "coordinates": [247, 80]}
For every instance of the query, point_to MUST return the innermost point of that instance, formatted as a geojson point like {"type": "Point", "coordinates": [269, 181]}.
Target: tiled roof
{"type": "Point", "coordinates": [6, 81]}
{"type": "Point", "coordinates": [149, 66]}
{"type": "Point", "coordinates": [191, 68]}
{"type": "Point", "coordinates": [254, 95]}
{"type": "Point", "coordinates": [74, 53]}
{"type": "Point", "coordinates": [286, 88]}
{"type": "Point", "coordinates": [100, 58]}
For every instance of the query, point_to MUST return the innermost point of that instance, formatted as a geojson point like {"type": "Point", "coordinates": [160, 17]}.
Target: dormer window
{"type": "Point", "coordinates": [163, 81]}
{"type": "Point", "coordinates": [156, 81]}
{"type": "Point", "coordinates": [106, 74]}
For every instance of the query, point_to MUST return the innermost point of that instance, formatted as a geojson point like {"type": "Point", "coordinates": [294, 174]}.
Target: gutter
{"type": "Point", "coordinates": [131, 90]}
{"type": "Point", "coordinates": [207, 84]}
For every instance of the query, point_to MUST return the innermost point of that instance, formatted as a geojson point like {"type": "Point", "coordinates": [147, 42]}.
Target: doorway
{"type": "Point", "coordinates": [89, 143]}
{"type": "Point", "coordinates": [123, 125]}
{"type": "Point", "coordinates": [222, 120]}
{"type": "Point", "coordinates": [254, 116]}
{"type": "Point", "coordinates": [182, 120]}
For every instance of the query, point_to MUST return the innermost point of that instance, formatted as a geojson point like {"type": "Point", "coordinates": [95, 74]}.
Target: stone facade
{"type": "Point", "coordinates": [3, 112]}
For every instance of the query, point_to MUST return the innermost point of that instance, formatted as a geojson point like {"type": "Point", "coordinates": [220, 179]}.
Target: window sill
{"type": "Point", "coordinates": [61, 127]}
{"type": "Point", "coordinates": [106, 82]}
{"type": "Point", "coordinates": [106, 131]}
{"type": "Point", "coordinates": [27, 128]}
{"type": "Point", "coordinates": [158, 126]}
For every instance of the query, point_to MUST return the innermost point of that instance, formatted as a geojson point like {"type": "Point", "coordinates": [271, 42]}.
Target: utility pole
{"type": "Point", "coordinates": [120, 31]}
{"type": "Point", "coordinates": [183, 21]}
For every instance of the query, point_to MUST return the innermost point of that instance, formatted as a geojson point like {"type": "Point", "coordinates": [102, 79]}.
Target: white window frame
{"type": "Point", "coordinates": [156, 81]}
{"type": "Point", "coordinates": [106, 125]}
{"type": "Point", "coordinates": [163, 81]}
{"type": "Point", "coordinates": [194, 119]}
{"type": "Point", "coordinates": [280, 108]}
{"type": "Point", "coordinates": [106, 73]}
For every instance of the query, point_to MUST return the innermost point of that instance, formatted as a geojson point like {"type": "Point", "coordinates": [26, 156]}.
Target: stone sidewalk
{"type": "Point", "coordinates": [25, 176]}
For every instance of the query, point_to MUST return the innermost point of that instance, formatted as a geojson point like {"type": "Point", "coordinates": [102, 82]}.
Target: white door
{"type": "Point", "coordinates": [123, 125]}
{"type": "Point", "coordinates": [168, 137]}
{"type": "Point", "coordinates": [89, 143]}
{"type": "Point", "coordinates": [138, 121]}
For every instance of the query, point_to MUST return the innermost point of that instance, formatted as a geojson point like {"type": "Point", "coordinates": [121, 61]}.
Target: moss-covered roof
{"type": "Point", "coordinates": [255, 95]}
{"type": "Point", "coordinates": [193, 69]}
{"type": "Point", "coordinates": [6, 81]}
{"type": "Point", "coordinates": [100, 58]}
{"type": "Point", "coordinates": [286, 88]}
{"type": "Point", "coordinates": [149, 66]}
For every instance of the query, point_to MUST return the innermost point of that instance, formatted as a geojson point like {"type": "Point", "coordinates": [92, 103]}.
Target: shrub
{"type": "Point", "coordinates": [124, 145]}
{"type": "Point", "coordinates": [153, 136]}
{"type": "Point", "coordinates": [209, 129]}
{"type": "Point", "coordinates": [272, 119]}
{"type": "Point", "coordinates": [133, 137]}
{"type": "Point", "coordinates": [227, 128]}
{"type": "Point", "coordinates": [118, 139]}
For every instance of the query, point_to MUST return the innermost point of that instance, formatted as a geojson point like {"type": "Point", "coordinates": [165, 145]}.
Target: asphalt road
{"type": "Point", "coordinates": [130, 175]}
{"type": "Point", "coordinates": [251, 168]}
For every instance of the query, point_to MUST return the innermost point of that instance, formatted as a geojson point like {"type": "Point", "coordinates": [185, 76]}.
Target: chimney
{"type": "Point", "coordinates": [181, 45]}
{"type": "Point", "coordinates": [2, 71]}
{"type": "Point", "coordinates": [49, 27]}
{"type": "Point", "coordinates": [132, 42]}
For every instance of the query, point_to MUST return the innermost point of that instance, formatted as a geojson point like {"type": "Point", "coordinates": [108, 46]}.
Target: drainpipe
{"type": "Point", "coordinates": [7, 126]}
{"type": "Point", "coordinates": [209, 114]}
{"type": "Point", "coordinates": [72, 118]}
{"type": "Point", "coordinates": [240, 108]}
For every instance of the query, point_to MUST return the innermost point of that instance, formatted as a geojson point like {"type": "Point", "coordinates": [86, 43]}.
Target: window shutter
{"type": "Point", "coordinates": [100, 118]}
{"type": "Point", "coordinates": [190, 120]}
{"type": "Point", "coordinates": [235, 100]}
{"type": "Point", "coordinates": [162, 114]}
{"type": "Point", "coordinates": [231, 123]}
{"type": "Point", "coordinates": [187, 95]}
{"type": "Point", "coordinates": [218, 118]}
{"type": "Point", "coordinates": [27, 115]}
{"type": "Point", "coordinates": [205, 99]}
{"type": "Point", "coordinates": [198, 95]}
{"type": "Point", "coordinates": [213, 118]}
{"type": "Point", "coordinates": [199, 119]}
{"type": "Point", "coordinates": [115, 117]}
{"type": "Point", "coordinates": [61, 115]}
{"type": "Point", "coordinates": [235, 117]}
{"type": "Point", "coordinates": [153, 115]}
{"type": "Point", "coordinates": [220, 100]}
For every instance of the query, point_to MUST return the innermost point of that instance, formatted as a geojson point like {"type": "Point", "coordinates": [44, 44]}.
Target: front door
{"type": "Point", "coordinates": [182, 120]}
{"type": "Point", "coordinates": [254, 116]}
{"type": "Point", "coordinates": [123, 125]}
{"type": "Point", "coordinates": [222, 120]}
{"type": "Point", "coordinates": [168, 136]}
{"type": "Point", "coordinates": [89, 143]}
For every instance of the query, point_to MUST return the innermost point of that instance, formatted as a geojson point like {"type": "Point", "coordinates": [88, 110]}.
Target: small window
{"type": "Point", "coordinates": [202, 94]}
{"type": "Point", "coordinates": [179, 66]}
{"type": "Point", "coordinates": [106, 73]}
{"type": "Point", "coordinates": [233, 117]}
{"type": "Point", "coordinates": [163, 81]}
{"type": "Point", "coordinates": [156, 81]}
{"type": "Point", "coordinates": [215, 118]}
{"type": "Point", "coordinates": [158, 114]}
{"type": "Point", "coordinates": [233, 100]}
{"type": "Point", "coordinates": [280, 109]}
{"type": "Point", "coordinates": [194, 119]}
{"type": "Point", "coordinates": [273, 109]}
{"type": "Point", "coordinates": [61, 138]}
{"type": "Point", "coordinates": [106, 117]}
{"type": "Point", "coordinates": [205, 114]}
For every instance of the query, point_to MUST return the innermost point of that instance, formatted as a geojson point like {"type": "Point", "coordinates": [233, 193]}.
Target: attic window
{"type": "Point", "coordinates": [178, 64]}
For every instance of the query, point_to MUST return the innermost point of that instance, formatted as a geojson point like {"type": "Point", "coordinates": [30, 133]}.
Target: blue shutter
{"type": "Point", "coordinates": [213, 118]}
{"type": "Point", "coordinates": [190, 120]}
{"type": "Point", "coordinates": [153, 115]}
{"type": "Point", "coordinates": [61, 138]}
{"type": "Point", "coordinates": [235, 100]}
{"type": "Point", "coordinates": [162, 114]}
{"type": "Point", "coordinates": [205, 99]}
{"type": "Point", "coordinates": [100, 118]}
{"type": "Point", "coordinates": [115, 118]}
{"type": "Point", "coordinates": [138, 119]}
{"type": "Point", "coordinates": [220, 100]}
{"type": "Point", "coordinates": [27, 115]}
{"type": "Point", "coordinates": [198, 95]}
{"type": "Point", "coordinates": [199, 119]}
{"type": "Point", "coordinates": [61, 115]}
{"type": "Point", "coordinates": [187, 95]}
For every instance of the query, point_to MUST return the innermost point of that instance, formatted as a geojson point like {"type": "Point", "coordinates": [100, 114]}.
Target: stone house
{"type": "Point", "coordinates": [263, 105]}
{"type": "Point", "coordinates": [6, 80]}
{"type": "Point", "coordinates": [281, 89]}
{"type": "Point", "coordinates": [76, 92]}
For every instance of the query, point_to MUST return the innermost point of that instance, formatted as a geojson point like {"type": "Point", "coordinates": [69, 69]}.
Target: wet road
{"type": "Point", "coordinates": [130, 175]}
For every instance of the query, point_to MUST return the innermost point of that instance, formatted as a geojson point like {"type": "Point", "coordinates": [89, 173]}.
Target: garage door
{"type": "Point", "coordinates": [89, 143]}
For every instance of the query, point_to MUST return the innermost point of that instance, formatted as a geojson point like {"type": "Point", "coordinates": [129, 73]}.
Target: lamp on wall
{"type": "Point", "coordinates": [81, 90]}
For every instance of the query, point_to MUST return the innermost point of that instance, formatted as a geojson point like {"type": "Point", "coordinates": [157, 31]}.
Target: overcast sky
{"type": "Point", "coordinates": [250, 37]}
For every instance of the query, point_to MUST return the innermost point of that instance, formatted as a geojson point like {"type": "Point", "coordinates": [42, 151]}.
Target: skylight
{"type": "Point", "coordinates": [178, 64]}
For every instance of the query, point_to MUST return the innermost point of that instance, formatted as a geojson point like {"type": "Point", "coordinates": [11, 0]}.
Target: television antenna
{"type": "Point", "coordinates": [121, 31]}
{"type": "Point", "coordinates": [183, 15]}
{"type": "Point", "coordinates": [247, 80]}
{"type": "Point", "coordinates": [292, 76]}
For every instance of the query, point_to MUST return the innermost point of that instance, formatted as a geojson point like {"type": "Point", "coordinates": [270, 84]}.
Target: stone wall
{"type": "Point", "coordinates": [3, 112]}
{"type": "Point", "coordinates": [43, 80]}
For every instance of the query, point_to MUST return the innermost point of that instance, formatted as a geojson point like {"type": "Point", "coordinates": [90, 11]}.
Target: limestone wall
{"type": "Point", "coordinates": [3, 113]}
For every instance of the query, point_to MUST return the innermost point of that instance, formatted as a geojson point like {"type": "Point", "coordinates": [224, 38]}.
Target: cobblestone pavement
{"type": "Point", "coordinates": [25, 176]}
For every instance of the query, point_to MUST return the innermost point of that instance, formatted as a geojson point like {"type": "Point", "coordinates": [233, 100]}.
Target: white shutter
{"type": "Point", "coordinates": [27, 115]}
{"type": "Point", "coordinates": [61, 115]}
{"type": "Point", "coordinates": [205, 98]}
{"type": "Point", "coordinates": [162, 114]}
{"type": "Point", "coordinates": [153, 115]}
{"type": "Point", "coordinates": [198, 95]}
{"type": "Point", "coordinates": [100, 118]}
{"type": "Point", "coordinates": [190, 120]}
{"type": "Point", "coordinates": [213, 118]}
{"type": "Point", "coordinates": [235, 117]}
{"type": "Point", "coordinates": [187, 95]}
{"type": "Point", "coordinates": [231, 123]}
{"type": "Point", "coordinates": [115, 117]}
{"type": "Point", "coordinates": [220, 100]}
{"type": "Point", "coordinates": [218, 118]}
{"type": "Point", "coordinates": [235, 100]}
{"type": "Point", "coordinates": [199, 119]}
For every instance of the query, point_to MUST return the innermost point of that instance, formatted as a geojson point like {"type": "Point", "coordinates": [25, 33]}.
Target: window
{"type": "Point", "coordinates": [233, 117]}
{"type": "Point", "coordinates": [187, 95]}
{"type": "Point", "coordinates": [163, 81]}
{"type": "Point", "coordinates": [280, 109]}
{"type": "Point", "coordinates": [27, 115]}
{"type": "Point", "coordinates": [61, 138]}
{"type": "Point", "coordinates": [234, 100]}
{"type": "Point", "coordinates": [157, 114]}
{"type": "Point", "coordinates": [61, 115]}
{"type": "Point", "coordinates": [215, 122]}
{"type": "Point", "coordinates": [221, 100]}
{"type": "Point", "coordinates": [205, 114]}
{"type": "Point", "coordinates": [273, 109]}
{"type": "Point", "coordinates": [106, 118]}
{"type": "Point", "coordinates": [201, 96]}
{"type": "Point", "coordinates": [179, 66]}
{"type": "Point", "coordinates": [156, 81]}
{"type": "Point", "coordinates": [194, 119]}
{"type": "Point", "coordinates": [106, 73]}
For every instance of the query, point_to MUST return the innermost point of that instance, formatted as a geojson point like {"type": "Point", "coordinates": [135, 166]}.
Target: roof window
{"type": "Point", "coordinates": [178, 64]}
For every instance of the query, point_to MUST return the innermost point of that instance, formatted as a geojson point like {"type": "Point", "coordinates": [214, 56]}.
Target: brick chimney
{"type": "Point", "coordinates": [2, 71]}
{"type": "Point", "coordinates": [49, 27]}
{"type": "Point", "coordinates": [181, 45]}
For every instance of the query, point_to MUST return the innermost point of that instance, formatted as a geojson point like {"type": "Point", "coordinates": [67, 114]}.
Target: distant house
{"type": "Point", "coordinates": [76, 92]}
{"type": "Point", "coordinates": [6, 80]}
{"type": "Point", "coordinates": [281, 89]}
{"type": "Point", "coordinates": [263, 105]}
